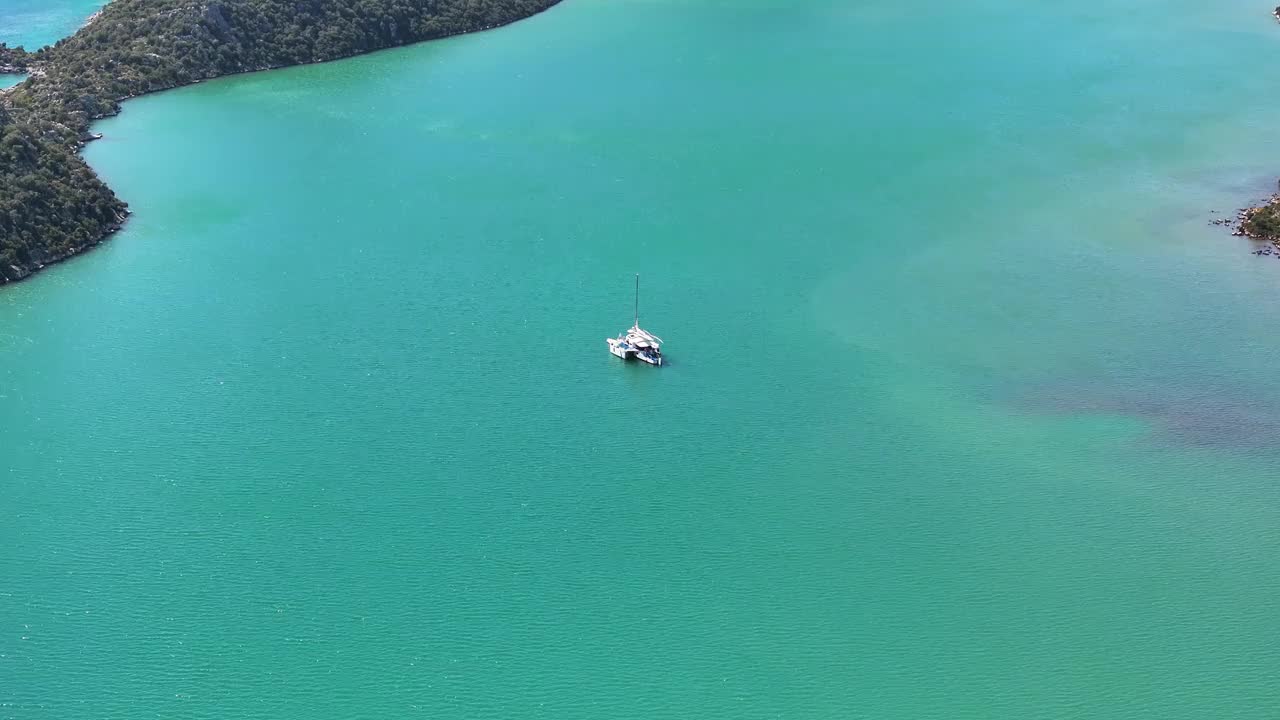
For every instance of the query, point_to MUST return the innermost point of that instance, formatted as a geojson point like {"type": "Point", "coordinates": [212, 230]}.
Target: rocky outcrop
{"type": "Point", "coordinates": [216, 15]}
{"type": "Point", "coordinates": [1260, 221]}
{"type": "Point", "coordinates": [13, 60]}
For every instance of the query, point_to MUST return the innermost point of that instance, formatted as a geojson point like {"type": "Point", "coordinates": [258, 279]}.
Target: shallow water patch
{"type": "Point", "coordinates": [8, 80]}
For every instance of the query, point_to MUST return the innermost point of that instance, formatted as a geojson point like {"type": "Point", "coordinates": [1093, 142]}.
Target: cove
{"type": "Point", "coordinates": [966, 412]}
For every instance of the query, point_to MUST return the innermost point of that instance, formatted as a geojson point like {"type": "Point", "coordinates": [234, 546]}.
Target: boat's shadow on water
{"type": "Point", "coordinates": [641, 366]}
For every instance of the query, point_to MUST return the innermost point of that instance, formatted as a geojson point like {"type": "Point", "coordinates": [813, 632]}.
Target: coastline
{"type": "Point", "coordinates": [88, 137]}
{"type": "Point", "coordinates": [23, 273]}
{"type": "Point", "coordinates": [38, 69]}
{"type": "Point", "coordinates": [1261, 222]}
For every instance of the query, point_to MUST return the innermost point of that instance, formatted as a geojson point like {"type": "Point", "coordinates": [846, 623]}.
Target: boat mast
{"type": "Point", "coordinates": [637, 300]}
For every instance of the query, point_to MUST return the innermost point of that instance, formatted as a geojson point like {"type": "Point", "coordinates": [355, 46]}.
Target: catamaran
{"type": "Point", "coordinates": [637, 343]}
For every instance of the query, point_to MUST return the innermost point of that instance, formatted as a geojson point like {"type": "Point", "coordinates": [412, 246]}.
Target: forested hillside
{"type": "Point", "coordinates": [51, 203]}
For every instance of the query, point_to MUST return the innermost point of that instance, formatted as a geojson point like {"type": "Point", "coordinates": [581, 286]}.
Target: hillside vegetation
{"type": "Point", "coordinates": [51, 203]}
{"type": "Point", "coordinates": [1263, 222]}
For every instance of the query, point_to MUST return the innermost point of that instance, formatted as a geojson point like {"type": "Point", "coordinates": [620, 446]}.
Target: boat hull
{"type": "Point", "coordinates": [626, 351]}
{"type": "Point", "coordinates": [620, 349]}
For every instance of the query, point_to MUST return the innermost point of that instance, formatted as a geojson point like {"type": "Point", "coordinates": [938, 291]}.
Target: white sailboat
{"type": "Point", "coordinates": [637, 343]}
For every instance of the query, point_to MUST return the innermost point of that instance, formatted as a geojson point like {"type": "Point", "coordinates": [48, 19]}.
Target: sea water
{"type": "Point", "coordinates": [35, 23]}
{"type": "Point", "coordinates": [968, 412]}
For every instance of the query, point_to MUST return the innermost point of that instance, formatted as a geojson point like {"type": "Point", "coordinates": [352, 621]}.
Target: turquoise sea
{"type": "Point", "coordinates": [35, 23]}
{"type": "Point", "coordinates": [969, 413]}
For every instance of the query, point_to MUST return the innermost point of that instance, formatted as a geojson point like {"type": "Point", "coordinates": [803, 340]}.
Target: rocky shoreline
{"type": "Point", "coordinates": [16, 273]}
{"type": "Point", "coordinates": [1256, 222]}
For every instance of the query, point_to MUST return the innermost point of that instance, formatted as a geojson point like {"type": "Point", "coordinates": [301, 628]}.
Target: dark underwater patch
{"type": "Point", "coordinates": [1226, 417]}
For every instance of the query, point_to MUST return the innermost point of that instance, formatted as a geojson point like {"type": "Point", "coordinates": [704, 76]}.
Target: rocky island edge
{"type": "Point", "coordinates": [53, 205]}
